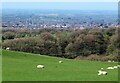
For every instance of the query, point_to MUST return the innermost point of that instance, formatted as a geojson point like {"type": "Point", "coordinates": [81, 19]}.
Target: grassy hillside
{"type": "Point", "coordinates": [0, 66]}
{"type": "Point", "coordinates": [19, 66]}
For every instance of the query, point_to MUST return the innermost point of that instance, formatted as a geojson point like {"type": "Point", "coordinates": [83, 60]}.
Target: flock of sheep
{"type": "Point", "coordinates": [100, 72]}
{"type": "Point", "coordinates": [103, 72]}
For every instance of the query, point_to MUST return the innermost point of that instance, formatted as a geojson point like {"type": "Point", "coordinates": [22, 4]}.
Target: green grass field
{"type": "Point", "coordinates": [20, 66]}
{"type": "Point", "coordinates": [0, 65]}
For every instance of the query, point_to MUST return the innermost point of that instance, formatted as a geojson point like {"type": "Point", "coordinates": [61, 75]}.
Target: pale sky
{"type": "Point", "coordinates": [60, 0]}
{"type": "Point", "coordinates": [62, 5]}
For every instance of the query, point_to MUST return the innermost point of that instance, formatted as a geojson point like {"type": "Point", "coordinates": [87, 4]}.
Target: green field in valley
{"type": "Point", "coordinates": [21, 66]}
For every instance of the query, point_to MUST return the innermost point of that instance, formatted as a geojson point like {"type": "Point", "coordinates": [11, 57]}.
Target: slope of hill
{"type": "Point", "coordinates": [0, 65]}
{"type": "Point", "coordinates": [20, 66]}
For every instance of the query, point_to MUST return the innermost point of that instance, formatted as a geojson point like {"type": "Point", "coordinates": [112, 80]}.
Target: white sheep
{"type": "Point", "coordinates": [7, 48]}
{"type": "Point", "coordinates": [40, 66]}
{"type": "Point", "coordinates": [60, 61]}
{"type": "Point", "coordinates": [118, 66]}
{"type": "Point", "coordinates": [109, 60]}
{"type": "Point", "coordinates": [102, 72]}
{"type": "Point", "coordinates": [115, 67]}
{"type": "Point", "coordinates": [102, 68]}
{"type": "Point", "coordinates": [110, 68]}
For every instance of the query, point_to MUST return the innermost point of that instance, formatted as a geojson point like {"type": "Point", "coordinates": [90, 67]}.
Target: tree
{"type": "Point", "coordinates": [62, 41]}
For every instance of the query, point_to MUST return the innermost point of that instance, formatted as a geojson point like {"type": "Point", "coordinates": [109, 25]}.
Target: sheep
{"type": "Point", "coordinates": [118, 66]}
{"type": "Point", "coordinates": [40, 66]}
{"type": "Point", "coordinates": [113, 61]}
{"type": "Point", "coordinates": [110, 68]}
{"type": "Point", "coordinates": [109, 60]}
{"type": "Point", "coordinates": [102, 72]}
{"type": "Point", "coordinates": [60, 61]}
{"type": "Point", "coordinates": [7, 48]}
{"type": "Point", "coordinates": [102, 69]}
{"type": "Point", "coordinates": [115, 67]}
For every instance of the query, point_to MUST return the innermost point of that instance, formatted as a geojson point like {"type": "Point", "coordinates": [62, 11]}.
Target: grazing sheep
{"type": "Point", "coordinates": [102, 72]}
{"type": "Point", "coordinates": [109, 60]}
{"type": "Point", "coordinates": [118, 66]}
{"type": "Point", "coordinates": [40, 66]}
{"type": "Point", "coordinates": [60, 61]}
{"type": "Point", "coordinates": [102, 69]}
{"type": "Point", "coordinates": [7, 48]}
{"type": "Point", "coordinates": [110, 68]}
{"type": "Point", "coordinates": [115, 67]}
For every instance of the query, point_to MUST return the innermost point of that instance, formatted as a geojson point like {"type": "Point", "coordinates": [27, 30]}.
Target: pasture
{"type": "Point", "coordinates": [21, 66]}
{"type": "Point", "coordinates": [0, 65]}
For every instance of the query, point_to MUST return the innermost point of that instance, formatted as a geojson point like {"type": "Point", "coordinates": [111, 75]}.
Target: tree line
{"type": "Point", "coordinates": [64, 43]}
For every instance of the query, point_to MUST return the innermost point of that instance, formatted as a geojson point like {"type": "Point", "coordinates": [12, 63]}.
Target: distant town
{"type": "Point", "coordinates": [62, 19]}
